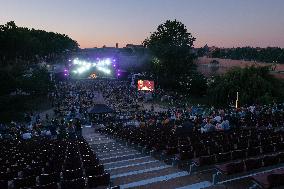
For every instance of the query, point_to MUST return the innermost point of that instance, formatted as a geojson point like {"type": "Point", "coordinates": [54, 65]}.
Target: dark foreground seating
{"type": "Point", "coordinates": [4, 184]}
{"type": "Point", "coordinates": [245, 166]}
{"type": "Point", "coordinates": [47, 186]}
{"type": "Point", "coordinates": [78, 183]}
{"type": "Point", "coordinates": [98, 180]}
{"type": "Point", "coordinates": [269, 179]}
{"type": "Point", "coordinates": [24, 182]}
{"type": "Point", "coordinates": [232, 168]}
{"type": "Point", "coordinates": [94, 170]}
{"type": "Point", "coordinates": [45, 179]}
{"type": "Point", "coordinates": [49, 164]}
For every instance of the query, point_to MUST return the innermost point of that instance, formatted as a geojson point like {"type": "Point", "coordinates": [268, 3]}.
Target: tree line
{"type": "Point", "coordinates": [255, 85]}
{"type": "Point", "coordinates": [21, 45]}
{"type": "Point", "coordinates": [21, 49]}
{"type": "Point", "coordinates": [21, 76]}
{"type": "Point", "coordinates": [269, 54]}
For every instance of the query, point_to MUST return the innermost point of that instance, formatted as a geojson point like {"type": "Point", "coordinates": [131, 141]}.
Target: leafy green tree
{"type": "Point", "coordinates": [195, 84]}
{"type": "Point", "coordinates": [8, 82]}
{"type": "Point", "coordinates": [171, 46]}
{"type": "Point", "coordinates": [20, 45]}
{"type": "Point", "coordinates": [254, 84]}
{"type": "Point", "coordinates": [269, 54]}
{"type": "Point", "coordinates": [36, 83]}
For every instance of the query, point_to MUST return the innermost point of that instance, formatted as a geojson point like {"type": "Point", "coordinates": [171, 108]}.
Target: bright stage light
{"type": "Point", "coordinates": [102, 65]}
{"type": "Point", "coordinates": [107, 61]}
{"type": "Point", "coordinates": [81, 70]}
{"type": "Point", "coordinates": [105, 70]}
{"type": "Point", "coordinates": [104, 62]}
{"type": "Point", "coordinates": [76, 61]}
{"type": "Point", "coordinates": [88, 65]}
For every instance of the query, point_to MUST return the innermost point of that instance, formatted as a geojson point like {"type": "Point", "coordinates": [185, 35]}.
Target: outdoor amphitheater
{"type": "Point", "coordinates": [149, 94]}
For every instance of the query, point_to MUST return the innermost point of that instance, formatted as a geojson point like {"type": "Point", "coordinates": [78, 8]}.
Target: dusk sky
{"type": "Point", "coordinates": [94, 23]}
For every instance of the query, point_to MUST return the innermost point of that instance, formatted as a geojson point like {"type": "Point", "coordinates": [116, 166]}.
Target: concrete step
{"type": "Point", "coordinates": [163, 170]}
{"type": "Point", "coordinates": [135, 167]}
{"type": "Point", "coordinates": [120, 157]}
{"type": "Point", "coordinates": [128, 162]}
{"type": "Point", "coordinates": [171, 181]}
{"type": "Point", "coordinates": [113, 153]}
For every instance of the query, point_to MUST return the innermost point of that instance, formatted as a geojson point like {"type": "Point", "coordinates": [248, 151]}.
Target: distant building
{"type": "Point", "coordinates": [134, 46]}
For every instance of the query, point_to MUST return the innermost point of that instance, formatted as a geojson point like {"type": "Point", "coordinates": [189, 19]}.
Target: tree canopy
{"type": "Point", "coordinates": [19, 48]}
{"type": "Point", "coordinates": [171, 46]}
{"type": "Point", "coordinates": [20, 44]}
{"type": "Point", "coordinates": [21, 75]}
{"type": "Point", "coordinates": [269, 54]}
{"type": "Point", "coordinates": [254, 84]}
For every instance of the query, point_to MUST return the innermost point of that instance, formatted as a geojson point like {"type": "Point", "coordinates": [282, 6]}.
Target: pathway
{"type": "Point", "coordinates": [130, 168]}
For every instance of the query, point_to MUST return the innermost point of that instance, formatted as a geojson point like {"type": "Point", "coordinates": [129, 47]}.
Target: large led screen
{"type": "Point", "coordinates": [145, 85]}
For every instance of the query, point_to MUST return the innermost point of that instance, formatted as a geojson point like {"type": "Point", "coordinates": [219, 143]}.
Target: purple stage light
{"type": "Point", "coordinates": [114, 65]}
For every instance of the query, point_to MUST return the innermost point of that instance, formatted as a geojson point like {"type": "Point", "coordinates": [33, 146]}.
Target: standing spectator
{"type": "Point", "coordinates": [78, 127]}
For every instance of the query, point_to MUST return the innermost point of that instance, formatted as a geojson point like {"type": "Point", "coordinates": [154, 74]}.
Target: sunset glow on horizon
{"type": "Point", "coordinates": [94, 23]}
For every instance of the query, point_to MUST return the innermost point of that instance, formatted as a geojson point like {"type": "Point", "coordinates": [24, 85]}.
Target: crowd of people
{"type": "Point", "coordinates": [73, 99]}
{"type": "Point", "coordinates": [128, 105]}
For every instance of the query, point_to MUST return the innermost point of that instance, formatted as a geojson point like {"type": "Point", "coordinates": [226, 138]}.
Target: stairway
{"type": "Point", "coordinates": [131, 168]}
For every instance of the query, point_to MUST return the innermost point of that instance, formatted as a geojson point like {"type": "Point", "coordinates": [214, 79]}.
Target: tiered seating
{"type": "Point", "coordinates": [238, 151]}
{"type": "Point", "coordinates": [269, 179]}
{"type": "Point", "coordinates": [220, 146]}
{"type": "Point", "coordinates": [231, 148]}
{"type": "Point", "coordinates": [45, 163]}
{"type": "Point", "coordinates": [246, 165]}
{"type": "Point", "coordinates": [267, 152]}
{"type": "Point", "coordinates": [150, 138]}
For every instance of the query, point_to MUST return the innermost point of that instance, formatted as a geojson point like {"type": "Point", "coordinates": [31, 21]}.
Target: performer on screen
{"type": "Point", "coordinates": [140, 84]}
